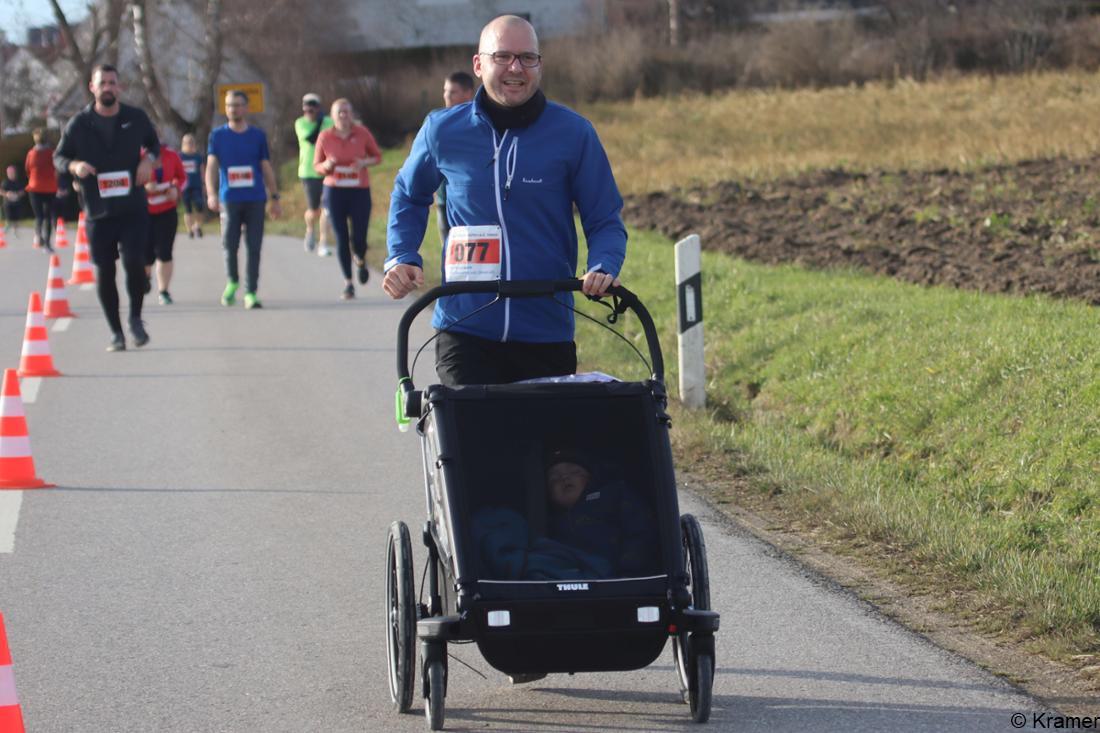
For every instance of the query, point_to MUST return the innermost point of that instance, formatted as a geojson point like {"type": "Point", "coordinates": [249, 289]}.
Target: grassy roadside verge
{"type": "Point", "coordinates": [956, 434]}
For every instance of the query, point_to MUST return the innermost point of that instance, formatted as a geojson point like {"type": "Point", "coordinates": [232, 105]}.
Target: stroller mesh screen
{"type": "Point", "coordinates": [560, 489]}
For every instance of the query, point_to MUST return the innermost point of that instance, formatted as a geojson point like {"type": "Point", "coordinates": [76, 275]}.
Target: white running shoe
{"type": "Point", "coordinates": [324, 251]}
{"type": "Point", "coordinates": [309, 242]}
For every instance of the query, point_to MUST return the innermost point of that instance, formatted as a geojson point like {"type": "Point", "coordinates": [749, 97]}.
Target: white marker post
{"type": "Point", "coordinates": [689, 297]}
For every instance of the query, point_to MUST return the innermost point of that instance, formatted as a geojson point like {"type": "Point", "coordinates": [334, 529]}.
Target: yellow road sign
{"type": "Point", "coordinates": [254, 90]}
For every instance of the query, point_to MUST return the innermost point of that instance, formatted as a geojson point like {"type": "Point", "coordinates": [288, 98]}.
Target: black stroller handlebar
{"type": "Point", "coordinates": [520, 289]}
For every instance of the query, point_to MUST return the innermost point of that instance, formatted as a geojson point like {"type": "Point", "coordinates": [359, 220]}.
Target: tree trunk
{"type": "Point", "coordinates": [115, 10]}
{"type": "Point", "coordinates": [675, 38]}
{"type": "Point", "coordinates": [72, 50]}
{"type": "Point", "coordinates": [164, 114]}
{"type": "Point", "coordinates": [204, 115]}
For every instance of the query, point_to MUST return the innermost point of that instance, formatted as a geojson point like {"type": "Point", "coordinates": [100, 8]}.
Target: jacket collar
{"type": "Point", "coordinates": [534, 109]}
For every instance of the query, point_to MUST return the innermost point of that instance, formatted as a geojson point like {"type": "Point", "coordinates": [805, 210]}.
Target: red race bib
{"type": "Point", "coordinates": [473, 253]}
{"type": "Point", "coordinates": [113, 184]}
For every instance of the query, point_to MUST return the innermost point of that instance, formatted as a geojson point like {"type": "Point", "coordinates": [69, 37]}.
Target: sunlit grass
{"type": "Point", "coordinates": [656, 144]}
{"type": "Point", "coordinates": [960, 430]}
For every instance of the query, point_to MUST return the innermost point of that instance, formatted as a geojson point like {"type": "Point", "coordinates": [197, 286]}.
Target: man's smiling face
{"type": "Point", "coordinates": [513, 84]}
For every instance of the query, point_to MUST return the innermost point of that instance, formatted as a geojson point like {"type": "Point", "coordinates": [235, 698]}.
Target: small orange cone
{"type": "Point", "coordinates": [82, 262]}
{"type": "Point", "coordinates": [36, 361]}
{"type": "Point", "coordinates": [57, 302]}
{"type": "Point", "coordinates": [3, 237]}
{"type": "Point", "coordinates": [62, 239]}
{"type": "Point", "coordinates": [11, 718]}
{"type": "Point", "coordinates": [16, 463]}
{"type": "Point", "coordinates": [81, 231]}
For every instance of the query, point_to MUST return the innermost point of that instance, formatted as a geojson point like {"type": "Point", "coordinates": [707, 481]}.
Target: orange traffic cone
{"type": "Point", "coordinates": [62, 239]}
{"type": "Point", "coordinates": [81, 231]}
{"type": "Point", "coordinates": [11, 718]}
{"type": "Point", "coordinates": [36, 361]}
{"type": "Point", "coordinates": [16, 464]}
{"type": "Point", "coordinates": [3, 237]}
{"type": "Point", "coordinates": [82, 262]}
{"type": "Point", "coordinates": [57, 302]}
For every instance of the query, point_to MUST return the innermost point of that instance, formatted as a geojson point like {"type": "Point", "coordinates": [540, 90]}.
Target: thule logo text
{"type": "Point", "coordinates": [572, 586]}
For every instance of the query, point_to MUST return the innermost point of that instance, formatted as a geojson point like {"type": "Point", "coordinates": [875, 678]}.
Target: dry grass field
{"type": "Point", "coordinates": [956, 123]}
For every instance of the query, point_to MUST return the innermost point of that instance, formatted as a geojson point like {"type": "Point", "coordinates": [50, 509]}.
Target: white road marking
{"type": "Point", "coordinates": [88, 286]}
{"type": "Point", "coordinates": [9, 518]}
{"type": "Point", "coordinates": [29, 389]}
{"type": "Point", "coordinates": [62, 324]}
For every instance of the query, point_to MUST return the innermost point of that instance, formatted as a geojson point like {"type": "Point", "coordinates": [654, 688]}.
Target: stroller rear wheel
{"type": "Point", "coordinates": [400, 617]}
{"type": "Point", "coordinates": [695, 565]}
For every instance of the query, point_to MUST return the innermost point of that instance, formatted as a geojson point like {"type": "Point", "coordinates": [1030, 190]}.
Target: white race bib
{"type": "Point", "coordinates": [345, 176]}
{"type": "Point", "coordinates": [473, 253]}
{"type": "Point", "coordinates": [189, 167]}
{"type": "Point", "coordinates": [113, 184]}
{"type": "Point", "coordinates": [240, 176]}
{"type": "Point", "coordinates": [161, 195]}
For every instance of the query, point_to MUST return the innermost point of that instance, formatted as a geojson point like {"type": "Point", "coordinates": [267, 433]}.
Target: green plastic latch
{"type": "Point", "coordinates": [399, 406]}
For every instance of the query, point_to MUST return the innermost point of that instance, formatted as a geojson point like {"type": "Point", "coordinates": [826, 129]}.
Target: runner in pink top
{"type": "Point", "coordinates": [342, 156]}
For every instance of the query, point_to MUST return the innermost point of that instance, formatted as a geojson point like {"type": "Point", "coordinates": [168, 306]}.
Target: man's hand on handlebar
{"type": "Point", "coordinates": [597, 283]}
{"type": "Point", "coordinates": [400, 280]}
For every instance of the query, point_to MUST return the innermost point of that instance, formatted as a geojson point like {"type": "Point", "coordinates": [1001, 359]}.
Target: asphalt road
{"type": "Point", "coordinates": [212, 557]}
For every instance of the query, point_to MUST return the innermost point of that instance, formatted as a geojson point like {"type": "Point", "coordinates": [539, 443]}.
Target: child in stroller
{"type": "Point", "coordinates": [596, 527]}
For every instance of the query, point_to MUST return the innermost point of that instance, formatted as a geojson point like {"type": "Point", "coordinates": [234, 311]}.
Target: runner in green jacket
{"type": "Point", "coordinates": [307, 127]}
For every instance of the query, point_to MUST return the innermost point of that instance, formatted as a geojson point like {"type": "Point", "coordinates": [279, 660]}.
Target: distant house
{"type": "Point", "coordinates": [32, 80]}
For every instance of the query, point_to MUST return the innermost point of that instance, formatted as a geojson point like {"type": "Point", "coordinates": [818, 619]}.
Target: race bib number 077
{"type": "Point", "coordinates": [473, 254]}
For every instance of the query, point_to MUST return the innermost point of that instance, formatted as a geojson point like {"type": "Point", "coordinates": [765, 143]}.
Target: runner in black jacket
{"type": "Point", "coordinates": [102, 148]}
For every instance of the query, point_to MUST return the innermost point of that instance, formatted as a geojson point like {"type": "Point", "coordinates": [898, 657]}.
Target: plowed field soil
{"type": "Point", "coordinates": [1024, 228]}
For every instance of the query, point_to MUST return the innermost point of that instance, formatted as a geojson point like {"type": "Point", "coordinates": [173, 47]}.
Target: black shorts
{"type": "Point", "coordinates": [313, 188]}
{"type": "Point", "coordinates": [192, 200]}
{"type": "Point", "coordinates": [162, 235]}
{"type": "Point", "coordinates": [464, 359]}
{"type": "Point", "coordinates": [127, 234]}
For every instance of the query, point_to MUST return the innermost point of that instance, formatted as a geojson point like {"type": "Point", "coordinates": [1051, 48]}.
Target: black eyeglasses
{"type": "Point", "coordinates": [505, 58]}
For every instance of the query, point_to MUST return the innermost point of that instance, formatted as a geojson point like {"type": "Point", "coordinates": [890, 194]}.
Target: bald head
{"type": "Point", "coordinates": [511, 25]}
{"type": "Point", "coordinates": [507, 80]}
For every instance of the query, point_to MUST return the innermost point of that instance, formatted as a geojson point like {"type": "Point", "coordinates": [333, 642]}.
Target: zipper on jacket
{"type": "Point", "coordinates": [500, 215]}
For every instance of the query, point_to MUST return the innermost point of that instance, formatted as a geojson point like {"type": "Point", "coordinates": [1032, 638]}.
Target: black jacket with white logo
{"type": "Point", "coordinates": [82, 141]}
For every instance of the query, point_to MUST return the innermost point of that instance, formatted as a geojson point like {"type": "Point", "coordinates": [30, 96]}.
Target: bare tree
{"type": "Point", "coordinates": [164, 113]}
{"type": "Point", "coordinates": [105, 19]}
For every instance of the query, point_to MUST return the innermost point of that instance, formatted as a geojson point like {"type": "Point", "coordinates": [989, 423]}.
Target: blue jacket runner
{"type": "Point", "coordinates": [525, 181]}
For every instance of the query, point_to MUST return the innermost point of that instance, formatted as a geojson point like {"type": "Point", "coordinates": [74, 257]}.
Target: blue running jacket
{"type": "Point", "coordinates": [524, 183]}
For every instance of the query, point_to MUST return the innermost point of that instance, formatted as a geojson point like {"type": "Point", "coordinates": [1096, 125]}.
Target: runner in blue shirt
{"type": "Point", "coordinates": [239, 178]}
{"type": "Point", "coordinates": [193, 165]}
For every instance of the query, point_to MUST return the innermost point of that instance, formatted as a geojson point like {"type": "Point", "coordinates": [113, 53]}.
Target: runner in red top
{"type": "Point", "coordinates": [41, 188]}
{"type": "Point", "coordinates": [342, 156]}
{"type": "Point", "coordinates": [163, 192]}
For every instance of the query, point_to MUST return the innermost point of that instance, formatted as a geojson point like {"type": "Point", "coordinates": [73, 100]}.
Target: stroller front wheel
{"type": "Point", "coordinates": [433, 706]}
{"type": "Point", "coordinates": [702, 685]}
{"type": "Point", "coordinates": [400, 617]}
